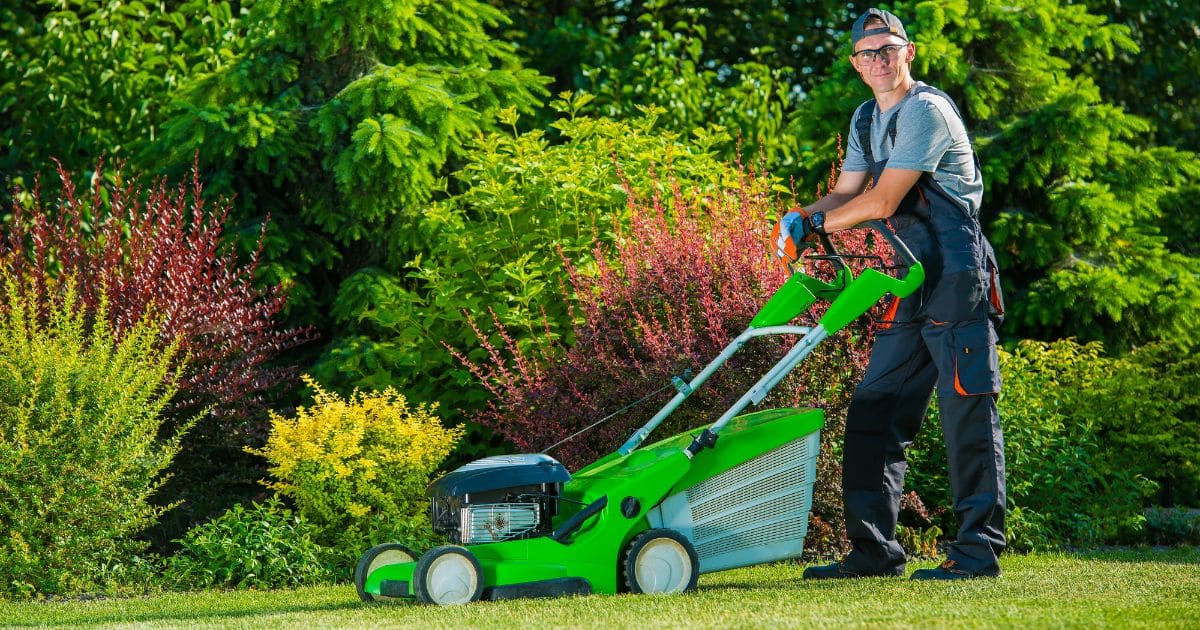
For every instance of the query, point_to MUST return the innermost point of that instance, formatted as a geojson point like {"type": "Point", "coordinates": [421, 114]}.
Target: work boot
{"type": "Point", "coordinates": [838, 570]}
{"type": "Point", "coordinates": [949, 570]}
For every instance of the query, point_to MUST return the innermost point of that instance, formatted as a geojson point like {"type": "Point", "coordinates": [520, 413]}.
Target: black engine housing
{"type": "Point", "coordinates": [505, 480]}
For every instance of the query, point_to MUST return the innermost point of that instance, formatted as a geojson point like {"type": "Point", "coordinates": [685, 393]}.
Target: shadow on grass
{"type": "Point", "coordinates": [1163, 555]}
{"type": "Point", "coordinates": [182, 617]}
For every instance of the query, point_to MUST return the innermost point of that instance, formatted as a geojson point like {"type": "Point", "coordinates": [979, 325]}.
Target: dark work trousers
{"type": "Point", "coordinates": [909, 361]}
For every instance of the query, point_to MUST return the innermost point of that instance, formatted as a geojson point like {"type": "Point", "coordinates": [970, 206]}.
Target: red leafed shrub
{"type": "Point", "coordinates": [684, 278]}
{"type": "Point", "coordinates": [159, 248]}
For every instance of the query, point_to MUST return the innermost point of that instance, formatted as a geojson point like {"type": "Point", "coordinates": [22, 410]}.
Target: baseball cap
{"type": "Point", "coordinates": [891, 24]}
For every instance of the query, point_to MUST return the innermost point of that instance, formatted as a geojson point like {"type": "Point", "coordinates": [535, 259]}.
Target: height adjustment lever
{"type": "Point", "coordinates": [706, 439]}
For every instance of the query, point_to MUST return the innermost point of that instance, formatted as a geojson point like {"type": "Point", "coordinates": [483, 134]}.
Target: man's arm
{"type": "Point", "coordinates": [849, 185]}
{"type": "Point", "coordinates": [847, 205]}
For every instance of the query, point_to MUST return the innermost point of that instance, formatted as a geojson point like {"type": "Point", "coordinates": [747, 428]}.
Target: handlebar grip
{"type": "Point", "coordinates": [898, 245]}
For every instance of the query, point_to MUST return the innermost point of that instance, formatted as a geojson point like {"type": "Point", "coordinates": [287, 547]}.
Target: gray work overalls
{"type": "Point", "coordinates": [942, 338]}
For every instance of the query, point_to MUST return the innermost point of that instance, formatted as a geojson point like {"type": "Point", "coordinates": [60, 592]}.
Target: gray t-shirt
{"type": "Point", "coordinates": [930, 137]}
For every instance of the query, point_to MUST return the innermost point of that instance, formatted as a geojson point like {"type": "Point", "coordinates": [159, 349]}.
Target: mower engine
{"type": "Point", "coordinates": [498, 498]}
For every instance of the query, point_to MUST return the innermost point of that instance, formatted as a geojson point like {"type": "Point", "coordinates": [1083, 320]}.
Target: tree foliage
{"type": "Point", "coordinates": [339, 119]}
{"type": "Point", "coordinates": [570, 39]}
{"type": "Point", "coordinates": [82, 78]}
{"type": "Point", "coordinates": [1157, 81]}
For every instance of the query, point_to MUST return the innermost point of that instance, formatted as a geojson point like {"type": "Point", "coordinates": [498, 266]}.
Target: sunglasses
{"type": "Point", "coordinates": [887, 53]}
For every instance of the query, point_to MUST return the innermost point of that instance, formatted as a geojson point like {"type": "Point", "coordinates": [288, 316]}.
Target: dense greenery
{"type": "Point", "coordinates": [1063, 485]}
{"type": "Point", "coordinates": [82, 78]}
{"type": "Point", "coordinates": [139, 245]}
{"type": "Point", "coordinates": [500, 244]}
{"type": "Point", "coordinates": [263, 546]}
{"type": "Point", "coordinates": [338, 119]}
{"type": "Point", "coordinates": [80, 450]}
{"type": "Point", "coordinates": [405, 169]}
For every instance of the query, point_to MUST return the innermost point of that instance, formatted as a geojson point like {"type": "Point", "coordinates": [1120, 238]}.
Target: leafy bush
{"type": "Point", "coordinates": [1173, 526]}
{"type": "Point", "coordinates": [266, 546]}
{"type": "Point", "coordinates": [668, 68]}
{"type": "Point", "coordinates": [496, 244]}
{"type": "Point", "coordinates": [681, 281]}
{"type": "Point", "coordinates": [357, 468]}
{"type": "Point", "coordinates": [161, 245]}
{"type": "Point", "coordinates": [1146, 404]}
{"type": "Point", "coordinates": [56, 100]}
{"type": "Point", "coordinates": [1062, 488]}
{"type": "Point", "coordinates": [80, 452]}
{"type": "Point", "coordinates": [164, 245]}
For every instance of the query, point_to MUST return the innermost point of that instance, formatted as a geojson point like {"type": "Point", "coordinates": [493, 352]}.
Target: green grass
{"type": "Point", "coordinates": [1139, 588]}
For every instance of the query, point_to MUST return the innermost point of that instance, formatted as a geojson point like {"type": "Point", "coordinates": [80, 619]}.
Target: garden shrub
{"type": "Point", "coordinates": [357, 467]}
{"type": "Point", "coordinates": [165, 246]}
{"type": "Point", "coordinates": [1173, 526]}
{"type": "Point", "coordinates": [1062, 488]}
{"type": "Point", "coordinates": [265, 546]}
{"type": "Point", "coordinates": [682, 280]}
{"type": "Point", "coordinates": [523, 197]}
{"type": "Point", "coordinates": [1147, 404]}
{"type": "Point", "coordinates": [82, 444]}
{"type": "Point", "coordinates": [162, 245]}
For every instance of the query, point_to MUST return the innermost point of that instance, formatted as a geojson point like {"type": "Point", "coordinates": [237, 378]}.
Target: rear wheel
{"type": "Point", "coordinates": [379, 556]}
{"type": "Point", "coordinates": [448, 575]}
{"type": "Point", "coordinates": [661, 561]}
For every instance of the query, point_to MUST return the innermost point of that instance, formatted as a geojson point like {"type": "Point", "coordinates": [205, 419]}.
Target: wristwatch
{"type": "Point", "coordinates": [817, 221]}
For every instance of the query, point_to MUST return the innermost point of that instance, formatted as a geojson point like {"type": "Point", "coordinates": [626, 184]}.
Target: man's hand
{"type": "Point", "coordinates": [793, 234]}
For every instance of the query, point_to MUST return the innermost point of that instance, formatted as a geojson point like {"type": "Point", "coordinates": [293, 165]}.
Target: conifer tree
{"type": "Point", "coordinates": [1076, 195]}
{"type": "Point", "coordinates": [337, 119]}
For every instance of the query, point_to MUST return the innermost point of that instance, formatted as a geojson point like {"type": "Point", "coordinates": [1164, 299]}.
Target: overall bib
{"type": "Point", "coordinates": [940, 338]}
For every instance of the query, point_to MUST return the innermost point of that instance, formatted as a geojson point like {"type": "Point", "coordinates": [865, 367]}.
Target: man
{"type": "Point", "coordinates": [909, 161]}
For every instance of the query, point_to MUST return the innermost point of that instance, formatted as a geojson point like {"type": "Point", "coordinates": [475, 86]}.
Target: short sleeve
{"type": "Point", "coordinates": [923, 139]}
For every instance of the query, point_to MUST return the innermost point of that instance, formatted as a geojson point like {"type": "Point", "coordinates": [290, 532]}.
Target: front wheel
{"type": "Point", "coordinates": [661, 561]}
{"type": "Point", "coordinates": [448, 575]}
{"type": "Point", "coordinates": [379, 556]}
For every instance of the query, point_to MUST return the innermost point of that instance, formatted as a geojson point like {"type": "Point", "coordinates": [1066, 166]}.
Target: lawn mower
{"type": "Point", "coordinates": [646, 519]}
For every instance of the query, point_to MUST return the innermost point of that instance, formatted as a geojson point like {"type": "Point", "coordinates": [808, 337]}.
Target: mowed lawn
{"type": "Point", "coordinates": [1126, 588]}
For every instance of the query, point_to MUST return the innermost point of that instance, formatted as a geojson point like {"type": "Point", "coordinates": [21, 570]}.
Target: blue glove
{"type": "Point", "coordinates": [793, 233]}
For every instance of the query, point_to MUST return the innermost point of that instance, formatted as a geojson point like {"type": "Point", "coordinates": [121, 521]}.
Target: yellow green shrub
{"type": "Point", "coordinates": [357, 468]}
{"type": "Point", "coordinates": [82, 446]}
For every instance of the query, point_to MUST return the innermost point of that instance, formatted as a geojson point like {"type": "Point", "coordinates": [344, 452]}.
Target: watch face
{"type": "Point", "coordinates": [818, 221]}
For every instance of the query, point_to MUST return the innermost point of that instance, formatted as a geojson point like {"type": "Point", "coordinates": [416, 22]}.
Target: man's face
{"type": "Point", "coordinates": [889, 67]}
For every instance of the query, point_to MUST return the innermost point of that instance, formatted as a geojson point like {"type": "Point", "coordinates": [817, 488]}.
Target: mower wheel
{"type": "Point", "coordinates": [379, 556]}
{"type": "Point", "coordinates": [448, 575]}
{"type": "Point", "coordinates": [661, 561]}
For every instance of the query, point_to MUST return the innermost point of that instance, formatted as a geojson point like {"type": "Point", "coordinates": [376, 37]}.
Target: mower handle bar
{"type": "Point", "coordinates": [879, 225]}
{"type": "Point", "coordinates": [811, 337]}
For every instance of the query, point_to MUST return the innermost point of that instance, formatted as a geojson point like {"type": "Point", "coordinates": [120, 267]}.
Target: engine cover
{"type": "Point", "coordinates": [498, 498]}
{"type": "Point", "coordinates": [499, 472]}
